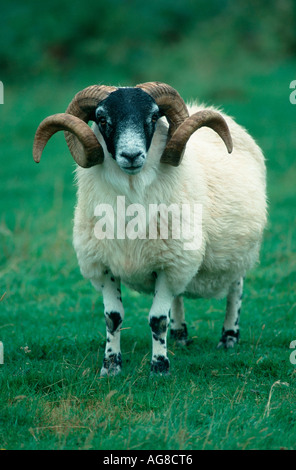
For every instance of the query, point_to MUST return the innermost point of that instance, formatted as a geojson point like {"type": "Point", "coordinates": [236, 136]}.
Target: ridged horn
{"type": "Point", "coordinates": [181, 125]}
{"type": "Point", "coordinates": [169, 102]}
{"type": "Point", "coordinates": [90, 152]}
{"type": "Point", "coordinates": [82, 142]}
{"type": "Point", "coordinates": [174, 149]}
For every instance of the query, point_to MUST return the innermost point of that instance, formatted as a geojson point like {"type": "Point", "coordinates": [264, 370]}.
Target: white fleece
{"type": "Point", "coordinates": [230, 187]}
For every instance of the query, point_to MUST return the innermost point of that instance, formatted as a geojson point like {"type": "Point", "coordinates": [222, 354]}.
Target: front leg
{"type": "Point", "coordinates": [159, 318]}
{"type": "Point", "coordinates": [114, 314]}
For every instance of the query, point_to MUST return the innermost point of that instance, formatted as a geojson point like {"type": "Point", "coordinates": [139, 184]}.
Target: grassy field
{"type": "Point", "coordinates": [52, 325]}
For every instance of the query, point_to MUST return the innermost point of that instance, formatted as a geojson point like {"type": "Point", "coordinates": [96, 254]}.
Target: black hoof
{"type": "Point", "coordinates": [160, 365]}
{"type": "Point", "coordinates": [180, 335]}
{"type": "Point", "coordinates": [228, 339]}
{"type": "Point", "coordinates": [112, 365]}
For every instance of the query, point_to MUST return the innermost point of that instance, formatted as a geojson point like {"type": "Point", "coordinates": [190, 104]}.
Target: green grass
{"type": "Point", "coordinates": [52, 325]}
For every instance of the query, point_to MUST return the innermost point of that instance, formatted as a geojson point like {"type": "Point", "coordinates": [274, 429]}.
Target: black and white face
{"type": "Point", "coordinates": [127, 120]}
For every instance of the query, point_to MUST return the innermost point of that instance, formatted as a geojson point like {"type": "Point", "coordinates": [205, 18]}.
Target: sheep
{"type": "Point", "coordinates": [143, 146]}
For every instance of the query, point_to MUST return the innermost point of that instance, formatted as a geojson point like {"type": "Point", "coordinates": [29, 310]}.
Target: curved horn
{"type": "Point", "coordinates": [173, 152]}
{"type": "Point", "coordinates": [169, 102]}
{"type": "Point", "coordinates": [82, 142]}
{"type": "Point", "coordinates": [83, 106]}
{"type": "Point", "coordinates": [182, 126]}
{"type": "Point", "coordinates": [87, 151]}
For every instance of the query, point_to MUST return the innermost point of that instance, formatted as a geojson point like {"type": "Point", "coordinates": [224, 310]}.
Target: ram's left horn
{"type": "Point", "coordinates": [170, 103]}
{"type": "Point", "coordinates": [174, 149]}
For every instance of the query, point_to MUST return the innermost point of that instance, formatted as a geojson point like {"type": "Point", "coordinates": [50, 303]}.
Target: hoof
{"type": "Point", "coordinates": [112, 365]}
{"type": "Point", "coordinates": [111, 372]}
{"type": "Point", "coordinates": [160, 365]}
{"type": "Point", "coordinates": [180, 335]}
{"type": "Point", "coordinates": [228, 339]}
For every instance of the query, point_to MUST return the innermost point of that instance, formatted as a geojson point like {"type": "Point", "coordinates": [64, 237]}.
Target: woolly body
{"type": "Point", "coordinates": [231, 189]}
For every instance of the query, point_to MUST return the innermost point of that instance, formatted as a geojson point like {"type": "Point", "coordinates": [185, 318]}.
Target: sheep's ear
{"type": "Point", "coordinates": [174, 150]}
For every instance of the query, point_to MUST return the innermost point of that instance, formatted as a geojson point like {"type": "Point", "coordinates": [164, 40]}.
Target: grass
{"type": "Point", "coordinates": [52, 325]}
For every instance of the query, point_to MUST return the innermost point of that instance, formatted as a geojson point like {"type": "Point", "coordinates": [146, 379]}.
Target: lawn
{"type": "Point", "coordinates": [51, 319]}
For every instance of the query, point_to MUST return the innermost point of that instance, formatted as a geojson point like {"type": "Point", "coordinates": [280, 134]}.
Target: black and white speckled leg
{"type": "Point", "coordinates": [230, 330]}
{"type": "Point", "coordinates": [178, 331]}
{"type": "Point", "coordinates": [159, 322]}
{"type": "Point", "coordinates": [114, 314]}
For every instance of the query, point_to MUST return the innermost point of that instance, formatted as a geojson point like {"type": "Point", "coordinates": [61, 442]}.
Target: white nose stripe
{"type": "Point", "coordinates": [130, 142]}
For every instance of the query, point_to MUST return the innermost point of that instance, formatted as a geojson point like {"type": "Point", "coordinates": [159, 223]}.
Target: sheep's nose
{"type": "Point", "coordinates": [131, 156]}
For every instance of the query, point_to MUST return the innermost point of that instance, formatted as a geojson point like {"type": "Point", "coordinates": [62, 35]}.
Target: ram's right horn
{"type": "Point", "coordinates": [81, 140]}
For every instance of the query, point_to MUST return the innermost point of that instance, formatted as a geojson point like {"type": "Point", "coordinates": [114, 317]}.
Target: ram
{"type": "Point", "coordinates": [143, 149]}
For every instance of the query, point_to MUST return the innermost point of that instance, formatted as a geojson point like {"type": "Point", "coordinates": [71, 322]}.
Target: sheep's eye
{"type": "Point", "coordinates": [102, 121]}
{"type": "Point", "coordinates": [154, 118]}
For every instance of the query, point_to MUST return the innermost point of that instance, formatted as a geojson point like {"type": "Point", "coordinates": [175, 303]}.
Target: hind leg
{"type": "Point", "coordinates": [230, 330]}
{"type": "Point", "coordinates": [178, 325]}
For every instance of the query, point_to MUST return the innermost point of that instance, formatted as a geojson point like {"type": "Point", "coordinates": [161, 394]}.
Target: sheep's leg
{"type": "Point", "coordinates": [230, 330]}
{"type": "Point", "coordinates": [159, 318]}
{"type": "Point", "coordinates": [114, 314]}
{"type": "Point", "coordinates": [178, 325]}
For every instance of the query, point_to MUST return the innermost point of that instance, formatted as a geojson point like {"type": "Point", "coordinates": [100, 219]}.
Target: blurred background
{"type": "Point", "coordinates": [127, 41]}
{"type": "Point", "coordinates": [238, 55]}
